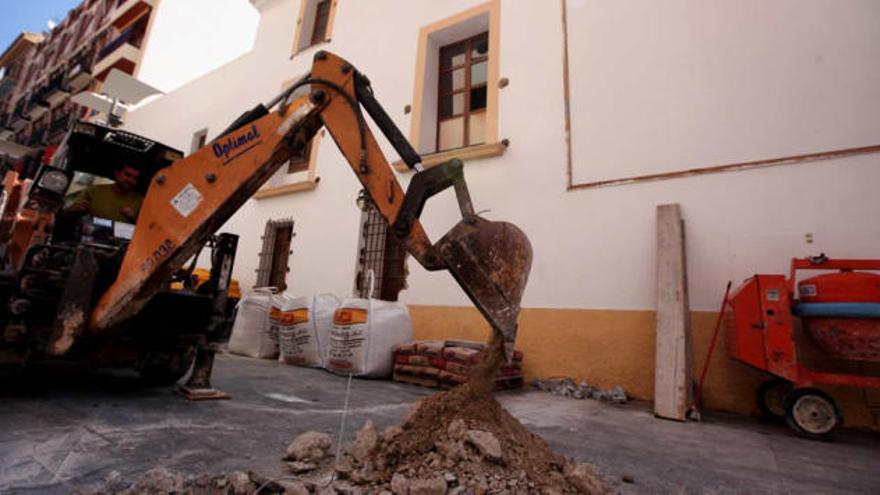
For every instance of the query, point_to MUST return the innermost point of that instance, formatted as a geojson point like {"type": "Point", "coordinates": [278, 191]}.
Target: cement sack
{"type": "Point", "coordinates": [304, 325]}
{"type": "Point", "coordinates": [365, 332]}
{"type": "Point", "coordinates": [251, 335]}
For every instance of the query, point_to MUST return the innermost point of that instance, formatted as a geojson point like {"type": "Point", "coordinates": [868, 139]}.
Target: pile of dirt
{"type": "Point", "coordinates": [455, 442]}
{"type": "Point", "coordinates": [471, 445]}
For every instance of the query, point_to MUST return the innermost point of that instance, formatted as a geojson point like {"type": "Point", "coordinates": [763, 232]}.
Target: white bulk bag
{"type": "Point", "coordinates": [251, 335]}
{"type": "Point", "coordinates": [304, 328]}
{"type": "Point", "coordinates": [324, 308]}
{"type": "Point", "coordinates": [365, 331]}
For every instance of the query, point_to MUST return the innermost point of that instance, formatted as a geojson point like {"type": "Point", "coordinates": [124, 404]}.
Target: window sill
{"type": "Point", "coordinates": [465, 154]}
{"type": "Point", "coordinates": [306, 185]}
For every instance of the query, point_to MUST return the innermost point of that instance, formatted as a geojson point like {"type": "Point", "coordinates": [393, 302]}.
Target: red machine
{"type": "Point", "coordinates": [840, 311]}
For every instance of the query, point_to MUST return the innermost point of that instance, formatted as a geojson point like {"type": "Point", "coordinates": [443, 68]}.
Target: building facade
{"type": "Point", "coordinates": [13, 62]}
{"type": "Point", "coordinates": [576, 119]}
{"type": "Point", "coordinates": [165, 43]}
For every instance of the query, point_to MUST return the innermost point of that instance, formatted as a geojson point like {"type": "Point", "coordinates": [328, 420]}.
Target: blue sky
{"type": "Point", "coordinates": [30, 15]}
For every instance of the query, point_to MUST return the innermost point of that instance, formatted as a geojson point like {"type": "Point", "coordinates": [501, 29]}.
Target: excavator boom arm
{"type": "Point", "coordinates": [195, 196]}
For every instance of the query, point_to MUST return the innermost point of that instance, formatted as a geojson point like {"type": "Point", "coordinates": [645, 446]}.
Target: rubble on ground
{"type": "Point", "coordinates": [481, 450]}
{"type": "Point", "coordinates": [308, 447]}
{"type": "Point", "coordinates": [460, 441]}
{"type": "Point", "coordinates": [566, 387]}
{"type": "Point", "coordinates": [457, 442]}
{"type": "Point", "coordinates": [161, 481]}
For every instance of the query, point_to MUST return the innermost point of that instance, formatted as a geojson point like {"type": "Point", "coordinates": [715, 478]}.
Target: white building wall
{"type": "Point", "coordinates": [191, 37]}
{"type": "Point", "coordinates": [594, 248]}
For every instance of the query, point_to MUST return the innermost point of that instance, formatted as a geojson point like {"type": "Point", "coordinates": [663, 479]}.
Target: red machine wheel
{"type": "Point", "coordinates": [771, 397]}
{"type": "Point", "coordinates": [812, 413]}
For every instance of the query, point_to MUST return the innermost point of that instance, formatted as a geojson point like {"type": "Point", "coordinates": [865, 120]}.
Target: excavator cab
{"type": "Point", "coordinates": [58, 263]}
{"type": "Point", "coordinates": [92, 152]}
{"type": "Point", "coordinates": [90, 155]}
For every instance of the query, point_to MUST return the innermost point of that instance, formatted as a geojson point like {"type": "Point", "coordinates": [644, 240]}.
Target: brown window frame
{"type": "Point", "coordinates": [322, 10]}
{"type": "Point", "coordinates": [301, 161]}
{"type": "Point", "coordinates": [469, 62]}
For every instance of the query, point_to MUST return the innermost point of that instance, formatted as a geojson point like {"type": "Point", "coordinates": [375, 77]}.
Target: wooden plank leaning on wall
{"type": "Point", "coordinates": [673, 347]}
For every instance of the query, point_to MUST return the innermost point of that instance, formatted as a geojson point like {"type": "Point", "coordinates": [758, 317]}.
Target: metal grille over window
{"type": "Point", "coordinates": [382, 253]}
{"type": "Point", "coordinates": [461, 112]}
{"type": "Point", "coordinates": [275, 254]}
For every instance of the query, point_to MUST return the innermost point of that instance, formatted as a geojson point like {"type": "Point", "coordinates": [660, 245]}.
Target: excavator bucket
{"type": "Point", "coordinates": [491, 262]}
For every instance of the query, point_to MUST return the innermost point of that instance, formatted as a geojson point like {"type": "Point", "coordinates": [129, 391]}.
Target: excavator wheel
{"type": "Point", "coordinates": [163, 368]}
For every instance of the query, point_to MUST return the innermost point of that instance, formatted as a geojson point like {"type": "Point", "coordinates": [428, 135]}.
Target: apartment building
{"type": "Point", "coordinates": [12, 63]}
{"type": "Point", "coordinates": [165, 43]}
{"type": "Point", "coordinates": [575, 118]}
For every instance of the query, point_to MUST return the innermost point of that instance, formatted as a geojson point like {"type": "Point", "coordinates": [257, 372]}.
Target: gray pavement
{"type": "Point", "coordinates": [66, 430]}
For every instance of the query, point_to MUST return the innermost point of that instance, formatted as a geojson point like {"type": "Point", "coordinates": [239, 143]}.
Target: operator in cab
{"type": "Point", "coordinates": [120, 201]}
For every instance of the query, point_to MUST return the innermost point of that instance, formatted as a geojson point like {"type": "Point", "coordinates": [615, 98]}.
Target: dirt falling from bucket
{"type": "Point", "coordinates": [465, 434]}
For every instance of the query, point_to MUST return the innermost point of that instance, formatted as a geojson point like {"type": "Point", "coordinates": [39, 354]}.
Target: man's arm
{"type": "Point", "coordinates": [81, 202]}
{"type": "Point", "coordinates": [131, 212]}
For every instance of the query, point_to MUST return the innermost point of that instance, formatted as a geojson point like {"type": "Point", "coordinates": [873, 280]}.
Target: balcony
{"type": "Point", "coordinates": [5, 133]}
{"type": "Point", "coordinates": [19, 120]}
{"type": "Point", "coordinates": [7, 84]}
{"type": "Point", "coordinates": [123, 52]}
{"type": "Point", "coordinates": [37, 138]}
{"type": "Point", "coordinates": [58, 126]}
{"type": "Point", "coordinates": [37, 106]}
{"type": "Point", "coordinates": [126, 11]}
{"type": "Point", "coordinates": [79, 75]}
{"type": "Point", "coordinates": [56, 91]}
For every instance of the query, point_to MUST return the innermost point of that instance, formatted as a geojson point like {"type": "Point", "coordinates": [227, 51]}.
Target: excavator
{"type": "Point", "coordinates": [103, 293]}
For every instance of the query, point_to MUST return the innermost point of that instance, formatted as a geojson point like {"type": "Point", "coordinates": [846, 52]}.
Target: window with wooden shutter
{"type": "Point", "coordinates": [322, 15]}
{"type": "Point", "coordinates": [300, 161]}
{"type": "Point", "coordinates": [461, 112]}
{"type": "Point", "coordinates": [454, 111]}
{"type": "Point", "coordinates": [315, 23]}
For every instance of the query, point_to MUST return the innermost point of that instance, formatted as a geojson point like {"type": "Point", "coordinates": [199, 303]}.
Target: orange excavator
{"type": "Point", "coordinates": [102, 293]}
